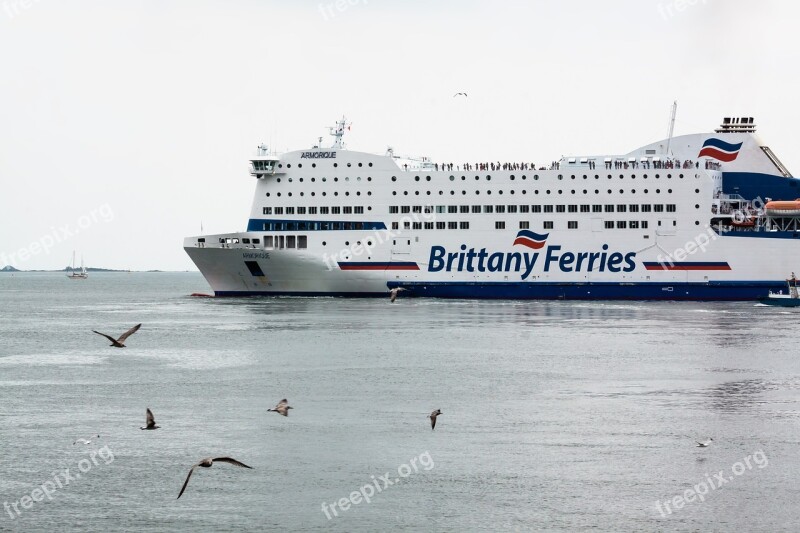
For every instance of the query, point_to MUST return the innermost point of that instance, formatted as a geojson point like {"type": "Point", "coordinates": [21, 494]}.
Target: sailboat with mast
{"type": "Point", "coordinates": [77, 275]}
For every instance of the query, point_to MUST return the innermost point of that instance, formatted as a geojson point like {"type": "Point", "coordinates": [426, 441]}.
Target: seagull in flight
{"type": "Point", "coordinates": [705, 444]}
{"type": "Point", "coordinates": [462, 94]}
{"type": "Point", "coordinates": [393, 293]}
{"type": "Point", "coordinates": [206, 463]}
{"type": "Point", "coordinates": [150, 421]}
{"type": "Point", "coordinates": [118, 343]}
{"type": "Point", "coordinates": [86, 441]}
{"type": "Point", "coordinates": [433, 416]}
{"type": "Point", "coordinates": [282, 408]}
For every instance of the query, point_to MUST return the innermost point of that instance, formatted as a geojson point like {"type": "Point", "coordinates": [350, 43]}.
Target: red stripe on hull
{"type": "Point", "coordinates": [529, 243]}
{"type": "Point", "coordinates": [709, 151]}
{"type": "Point", "coordinates": [691, 267]}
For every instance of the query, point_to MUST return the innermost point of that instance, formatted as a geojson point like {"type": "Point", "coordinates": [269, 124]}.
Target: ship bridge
{"type": "Point", "coordinates": [264, 163]}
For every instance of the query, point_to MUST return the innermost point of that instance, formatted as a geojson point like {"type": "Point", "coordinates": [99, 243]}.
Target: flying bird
{"type": "Point", "coordinates": [433, 416]}
{"type": "Point", "coordinates": [462, 94]}
{"type": "Point", "coordinates": [206, 463]}
{"type": "Point", "coordinates": [86, 441]}
{"type": "Point", "coordinates": [150, 421]}
{"type": "Point", "coordinates": [705, 444]}
{"type": "Point", "coordinates": [394, 292]}
{"type": "Point", "coordinates": [282, 408]}
{"type": "Point", "coordinates": [118, 343]}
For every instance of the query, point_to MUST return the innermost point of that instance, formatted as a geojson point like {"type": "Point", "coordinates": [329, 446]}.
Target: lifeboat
{"type": "Point", "coordinates": [746, 223]}
{"type": "Point", "coordinates": [784, 208]}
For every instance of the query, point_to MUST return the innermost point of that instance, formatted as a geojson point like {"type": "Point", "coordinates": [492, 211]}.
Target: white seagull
{"type": "Point", "coordinates": [394, 292]}
{"type": "Point", "coordinates": [86, 441]}
{"type": "Point", "coordinates": [704, 444]}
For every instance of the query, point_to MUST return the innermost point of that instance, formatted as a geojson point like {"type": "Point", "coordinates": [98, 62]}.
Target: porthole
{"type": "Point", "coordinates": [621, 191]}
{"type": "Point", "coordinates": [336, 193]}
{"type": "Point", "coordinates": [452, 178]}
{"type": "Point", "coordinates": [512, 177]}
{"type": "Point", "coordinates": [279, 194]}
{"type": "Point", "coordinates": [696, 222]}
{"type": "Point", "coordinates": [335, 165]}
{"type": "Point", "coordinates": [349, 165]}
{"type": "Point", "coordinates": [500, 192]}
{"type": "Point", "coordinates": [609, 176]}
{"type": "Point", "coordinates": [488, 178]}
{"type": "Point", "coordinates": [697, 190]}
{"type": "Point", "coordinates": [560, 191]}
{"type": "Point", "coordinates": [572, 177]}
{"type": "Point", "coordinates": [336, 179]}
{"type": "Point", "coordinates": [369, 164]}
{"type": "Point", "coordinates": [477, 178]}
{"type": "Point", "coordinates": [488, 192]}
{"type": "Point", "coordinates": [361, 165]}
{"type": "Point", "coordinates": [394, 193]}
{"type": "Point", "coordinates": [405, 193]}
{"type": "Point", "coordinates": [560, 177]}
{"type": "Point", "coordinates": [289, 194]}
{"type": "Point", "coordinates": [463, 192]}
{"type": "Point", "coordinates": [313, 165]}
{"type": "Point", "coordinates": [347, 178]}
{"type": "Point", "coordinates": [669, 176]}
{"type": "Point", "coordinates": [669, 191]}
{"type": "Point", "coordinates": [300, 165]}
{"type": "Point", "coordinates": [358, 193]}
{"type": "Point", "coordinates": [609, 191]}
{"type": "Point", "coordinates": [584, 191]}
{"type": "Point", "coordinates": [302, 194]}
{"type": "Point", "coordinates": [267, 194]}
{"type": "Point", "coordinates": [428, 193]}
{"type": "Point", "coordinates": [644, 176]}
{"type": "Point", "coordinates": [313, 193]}
{"type": "Point", "coordinates": [477, 192]}
{"type": "Point", "coordinates": [524, 177]}
{"type": "Point", "coordinates": [313, 180]}
{"type": "Point", "coordinates": [324, 193]}
{"type": "Point", "coordinates": [681, 176]}
{"type": "Point", "coordinates": [290, 180]}
{"type": "Point", "coordinates": [621, 176]}
{"type": "Point", "coordinates": [584, 176]}
{"type": "Point", "coordinates": [324, 179]}
{"type": "Point", "coordinates": [441, 193]}
{"type": "Point", "coordinates": [324, 243]}
{"type": "Point", "coordinates": [280, 165]}
{"type": "Point", "coordinates": [548, 191]}
{"type": "Point", "coordinates": [536, 176]}
{"type": "Point", "coordinates": [416, 178]}
{"type": "Point", "coordinates": [289, 165]}
{"type": "Point", "coordinates": [369, 193]}
{"type": "Point", "coordinates": [416, 193]}
{"type": "Point", "coordinates": [597, 191]}
{"type": "Point", "coordinates": [657, 176]}
{"type": "Point", "coordinates": [633, 176]}
{"type": "Point", "coordinates": [347, 243]}
{"type": "Point", "coordinates": [697, 206]}
{"type": "Point", "coordinates": [301, 180]}
{"type": "Point", "coordinates": [511, 191]}
{"type": "Point", "coordinates": [278, 180]}
{"type": "Point", "coordinates": [452, 193]}
{"type": "Point", "coordinates": [645, 191]}
{"type": "Point", "coordinates": [394, 178]}
{"type": "Point", "coordinates": [369, 178]}
{"type": "Point", "coordinates": [658, 191]}
{"type": "Point", "coordinates": [427, 178]}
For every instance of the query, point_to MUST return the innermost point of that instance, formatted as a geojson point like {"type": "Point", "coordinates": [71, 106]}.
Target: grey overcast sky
{"type": "Point", "coordinates": [124, 124]}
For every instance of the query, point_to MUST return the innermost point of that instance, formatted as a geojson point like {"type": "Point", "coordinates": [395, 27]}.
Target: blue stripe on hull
{"type": "Point", "coordinates": [741, 290]}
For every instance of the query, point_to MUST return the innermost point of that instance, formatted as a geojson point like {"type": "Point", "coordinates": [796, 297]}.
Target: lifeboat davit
{"type": "Point", "coordinates": [783, 208]}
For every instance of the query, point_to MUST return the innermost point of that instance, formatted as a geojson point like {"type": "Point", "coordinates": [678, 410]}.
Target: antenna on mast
{"type": "Point", "coordinates": [338, 132]}
{"type": "Point", "coordinates": [672, 124]}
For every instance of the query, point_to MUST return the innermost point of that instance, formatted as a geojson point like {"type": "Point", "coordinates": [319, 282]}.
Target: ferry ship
{"type": "Point", "coordinates": [684, 218]}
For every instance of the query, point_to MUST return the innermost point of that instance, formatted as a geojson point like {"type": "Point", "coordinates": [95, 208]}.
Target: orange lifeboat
{"type": "Point", "coordinates": [783, 208]}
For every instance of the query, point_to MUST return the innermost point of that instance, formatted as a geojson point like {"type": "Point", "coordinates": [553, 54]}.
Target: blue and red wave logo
{"type": "Point", "coordinates": [531, 239]}
{"type": "Point", "coordinates": [720, 150]}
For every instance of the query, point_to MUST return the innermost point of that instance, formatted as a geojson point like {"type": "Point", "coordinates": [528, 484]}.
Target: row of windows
{"type": "Point", "coordinates": [431, 225]}
{"type": "Point", "coordinates": [512, 177]}
{"type": "Point", "coordinates": [523, 191]}
{"type": "Point", "coordinates": [561, 208]}
{"type": "Point", "coordinates": [314, 165]}
{"type": "Point", "coordinates": [285, 241]}
{"type": "Point", "coordinates": [324, 210]}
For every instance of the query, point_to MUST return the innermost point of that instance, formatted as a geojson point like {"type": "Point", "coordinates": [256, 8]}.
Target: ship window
{"type": "Point", "coordinates": [452, 209]}
{"type": "Point", "coordinates": [644, 224]}
{"type": "Point", "coordinates": [245, 240]}
{"type": "Point", "coordinates": [267, 241]}
{"type": "Point", "coordinates": [407, 224]}
{"type": "Point", "coordinates": [395, 225]}
{"type": "Point", "coordinates": [279, 242]}
{"type": "Point", "coordinates": [291, 241]}
{"type": "Point", "coordinates": [609, 224]}
{"type": "Point", "coordinates": [441, 208]}
{"type": "Point", "coordinates": [312, 210]}
{"type": "Point", "coordinates": [324, 210]}
{"type": "Point", "coordinates": [393, 209]}
{"type": "Point", "coordinates": [572, 224]}
{"type": "Point", "coordinates": [499, 209]}
{"type": "Point", "coordinates": [597, 208]}
{"type": "Point", "coordinates": [417, 225]}
{"type": "Point", "coordinates": [429, 225]}
{"type": "Point", "coordinates": [336, 210]}
{"type": "Point", "coordinates": [633, 208]}
{"type": "Point", "coordinates": [658, 208]}
{"type": "Point", "coordinates": [347, 210]}
{"type": "Point", "coordinates": [548, 224]}
{"type": "Point", "coordinates": [561, 208]}
{"type": "Point", "coordinates": [452, 225]}
{"type": "Point", "coordinates": [536, 209]}
{"type": "Point", "coordinates": [358, 210]}
{"type": "Point", "coordinates": [278, 210]}
{"type": "Point", "coordinates": [463, 225]}
{"type": "Point", "coordinates": [621, 208]}
{"type": "Point", "coordinates": [267, 210]}
{"type": "Point", "coordinates": [476, 209]}
{"type": "Point", "coordinates": [488, 209]}
{"type": "Point", "coordinates": [464, 209]}
{"type": "Point", "coordinates": [621, 224]}
{"type": "Point", "coordinates": [416, 209]}
{"type": "Point", "coordinates": [256, 241]}
{"type": "Point", "coordinates": [405, 209]}
{"type": "Point", "coordinates": [301, 210]}
{"type": "Point", "coordinates": [440, 225]}
{"type": "Point", "coordinates": [500, 225]}
{"type": "Point", "coordinates": [524, 208]}
{"type": "Point", "coordinates": [609, 208]}
{"type": "Point", "coordinates": [633, 224]}
{"type": "Point", "coordinates": [511, 209]}
{"type": "Point", "coordinates": [671, 208]}
{"type": "Point", "coordinates": [290, 210]}
{"type": "Point", "coordinates": [572, 208]}
{"type": "Point", "coordinates": [548, 209]}
{"type": "Point", "coordinates": [524, 224]}
{"type": "Point", "coordinates": [646, 208]}
{"type": "Point", "coordinates": [585, 208]}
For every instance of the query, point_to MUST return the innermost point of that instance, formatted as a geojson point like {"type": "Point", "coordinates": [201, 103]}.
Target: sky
{"type": "Point", "coordinates": [125, 125]}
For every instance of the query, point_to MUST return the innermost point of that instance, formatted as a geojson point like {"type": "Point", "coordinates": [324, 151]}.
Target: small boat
{"type": "Point", "coordinates": [77, 275]}
{"type": "Point", "coordinates": [784, 300]}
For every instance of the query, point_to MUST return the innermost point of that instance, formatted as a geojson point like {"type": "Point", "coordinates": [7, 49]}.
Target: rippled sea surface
{"type": "Point", "coordinates": [557, 416]}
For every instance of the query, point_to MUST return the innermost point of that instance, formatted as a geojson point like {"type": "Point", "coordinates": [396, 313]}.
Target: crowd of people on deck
{"type": "Point", "coordinates": [556, 165]}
